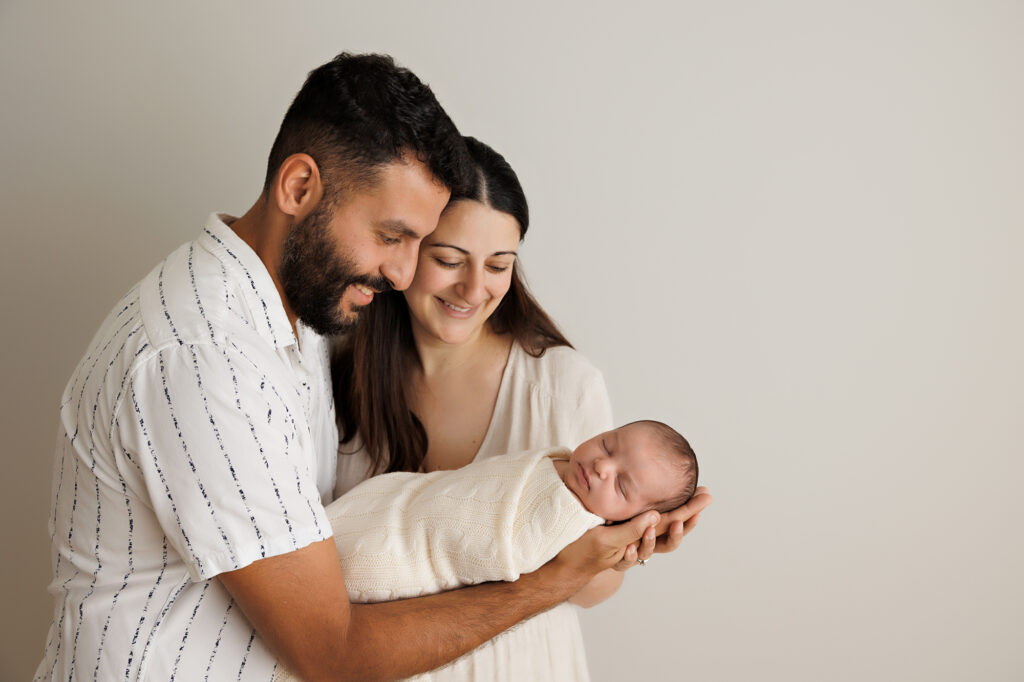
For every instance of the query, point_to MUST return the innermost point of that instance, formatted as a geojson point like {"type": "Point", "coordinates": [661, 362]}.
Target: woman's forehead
{"type": "Point", "coordinates": [473, 224]}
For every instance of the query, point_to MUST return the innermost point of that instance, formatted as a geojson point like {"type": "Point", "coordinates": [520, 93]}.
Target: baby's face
{"type": "Point", "coordinates": [619, 473]}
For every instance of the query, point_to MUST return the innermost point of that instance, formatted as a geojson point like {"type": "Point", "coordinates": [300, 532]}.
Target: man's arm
{"type": "Point", "coordinates": [298, 604]}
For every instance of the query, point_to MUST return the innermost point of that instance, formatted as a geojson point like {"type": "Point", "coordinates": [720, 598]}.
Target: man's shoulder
{"type": "Point", "coordinates": [189, 298]}
{"type": "Point", "coordinates": [183, 302]}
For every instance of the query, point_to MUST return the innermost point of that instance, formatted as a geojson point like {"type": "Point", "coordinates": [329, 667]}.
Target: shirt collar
{"type": "Point", "coordinates": [246, 268]}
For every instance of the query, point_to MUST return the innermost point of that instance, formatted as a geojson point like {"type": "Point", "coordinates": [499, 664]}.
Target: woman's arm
{"type": "Point", "coordinates": [673, 526]}
{"type": "Point", "coordinates": [603, 585]}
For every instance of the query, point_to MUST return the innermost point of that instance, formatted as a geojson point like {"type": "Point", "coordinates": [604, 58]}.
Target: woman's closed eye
{"type": "Point", "coordinates": [446, 263]}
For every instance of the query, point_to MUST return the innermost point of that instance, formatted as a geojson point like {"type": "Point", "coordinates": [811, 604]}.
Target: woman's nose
{"type": "Point", "coordinates": [473, 287]}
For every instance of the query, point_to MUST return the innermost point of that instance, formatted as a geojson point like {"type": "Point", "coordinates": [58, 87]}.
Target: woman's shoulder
{"type": "Point", "coordinates": [558, 370]}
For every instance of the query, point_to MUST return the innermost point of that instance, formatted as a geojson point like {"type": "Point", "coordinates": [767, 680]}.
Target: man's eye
{"type": "Point", "coordinates": [389, 240]}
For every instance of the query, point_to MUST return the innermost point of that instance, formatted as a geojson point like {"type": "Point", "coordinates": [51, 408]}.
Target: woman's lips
{"type": "Point", "coordinates": [457, 311]}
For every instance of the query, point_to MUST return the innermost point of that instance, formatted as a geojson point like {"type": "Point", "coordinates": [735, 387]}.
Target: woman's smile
{"type": "Point", "coordinates": [456, 311]}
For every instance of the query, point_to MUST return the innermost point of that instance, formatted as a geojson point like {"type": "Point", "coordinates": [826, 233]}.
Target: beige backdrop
{"type": "Point", "coordinates": [794, 229]}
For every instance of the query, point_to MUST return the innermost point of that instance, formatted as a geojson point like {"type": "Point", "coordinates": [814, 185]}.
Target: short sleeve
{"type": "Point", "coordinates": [593, 413]}
{"type": "Point", "coordinates": [224, 447]}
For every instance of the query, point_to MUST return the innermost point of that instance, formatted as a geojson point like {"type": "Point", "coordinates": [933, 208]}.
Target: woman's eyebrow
{"type": "Point", "coordinates": [463, 251]}
{"type": "Point", "coordinates": [450, 246]}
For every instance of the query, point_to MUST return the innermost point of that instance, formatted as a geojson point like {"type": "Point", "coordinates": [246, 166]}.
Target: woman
{"type": "Point", "coordinates": [465, 364]}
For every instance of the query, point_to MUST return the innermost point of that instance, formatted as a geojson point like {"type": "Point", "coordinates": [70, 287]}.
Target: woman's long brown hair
{"type": "Point", "coordinates": [372, 364]}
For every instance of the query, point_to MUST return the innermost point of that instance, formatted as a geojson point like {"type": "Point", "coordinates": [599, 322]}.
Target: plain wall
{"type": "Point", "coordinates": [794, 229]}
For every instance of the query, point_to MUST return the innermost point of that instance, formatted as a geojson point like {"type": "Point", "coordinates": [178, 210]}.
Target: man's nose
{"type": "Point", "coordinates": [401, 268]}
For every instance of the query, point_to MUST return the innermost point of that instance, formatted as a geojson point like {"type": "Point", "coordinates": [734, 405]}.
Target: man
{"type": "Point", "coordinates": [197, 435]}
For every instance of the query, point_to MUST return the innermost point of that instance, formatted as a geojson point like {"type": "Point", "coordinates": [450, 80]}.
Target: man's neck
{"type": "Point", "coordinates": [265, 231]}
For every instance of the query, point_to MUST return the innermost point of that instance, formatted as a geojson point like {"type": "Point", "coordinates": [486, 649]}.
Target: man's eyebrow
{"type": "Point", "coordinates": [398, 227]}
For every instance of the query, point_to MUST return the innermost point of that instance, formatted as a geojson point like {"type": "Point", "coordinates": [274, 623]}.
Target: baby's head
{"type": "Point", "coordinates": [640, 466]}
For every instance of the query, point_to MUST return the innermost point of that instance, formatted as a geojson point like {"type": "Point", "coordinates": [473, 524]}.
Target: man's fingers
{"type": "Point", "coordinates": [628, 559]}
{"type": "Point", "coordinates": [633, 530]}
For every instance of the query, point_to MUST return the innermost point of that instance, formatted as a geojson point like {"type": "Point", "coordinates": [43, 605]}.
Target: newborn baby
{"type": "Point", "coordinates": [403, 535]}
{"type": "Point", "coordinates": [629, 470]}
{"type": "Point", "coordinates": [406, 534]}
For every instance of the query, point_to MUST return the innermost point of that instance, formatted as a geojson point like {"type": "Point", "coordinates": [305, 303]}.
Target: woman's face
{"type": "Point", "coordinates": [464, 270]}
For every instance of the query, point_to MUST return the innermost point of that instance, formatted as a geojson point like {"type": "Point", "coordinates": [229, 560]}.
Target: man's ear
{"type": "Point", "coordinates": [297, 186]}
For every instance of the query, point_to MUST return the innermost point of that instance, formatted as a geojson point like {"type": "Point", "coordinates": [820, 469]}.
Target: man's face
{"type": "Point", "coordinates": [621, 473]}
{"type": "Point", "coordinates": [337, 257]}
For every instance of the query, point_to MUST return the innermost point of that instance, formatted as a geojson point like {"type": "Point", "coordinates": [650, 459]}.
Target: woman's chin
{"type": "Point", "coordinates": [449, 334]}
{"type": "Point", "coordinates": [455, 337]}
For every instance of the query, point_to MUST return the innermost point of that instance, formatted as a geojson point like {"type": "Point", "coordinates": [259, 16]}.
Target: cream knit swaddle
{"type": "Point", "coordinates": [405, 534]}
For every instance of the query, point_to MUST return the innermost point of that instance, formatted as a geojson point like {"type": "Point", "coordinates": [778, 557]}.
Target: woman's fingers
{"type": "Point", "coordinates": [681, 521]}
{"type": "Point", "coordinates": [669, 542]}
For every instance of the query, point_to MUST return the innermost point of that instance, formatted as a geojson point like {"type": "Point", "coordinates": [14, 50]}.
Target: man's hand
{"type": "Point", "coordinates": [678, 522]}
{"type": "Point", "coordinates": [604, 546]}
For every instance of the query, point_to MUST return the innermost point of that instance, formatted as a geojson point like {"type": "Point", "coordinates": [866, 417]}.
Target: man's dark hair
{"type": "Point", "coordinates": [683, 459]}
{"type": "Point", "coordinates": [358, 112]}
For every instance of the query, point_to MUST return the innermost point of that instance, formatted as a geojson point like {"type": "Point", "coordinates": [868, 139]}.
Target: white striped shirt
{"type": "Point", "coordinates": [195, 438]}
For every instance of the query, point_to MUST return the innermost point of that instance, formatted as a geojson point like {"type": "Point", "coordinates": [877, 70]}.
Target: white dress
{"type": "Point", "coordinates": [557, 399]}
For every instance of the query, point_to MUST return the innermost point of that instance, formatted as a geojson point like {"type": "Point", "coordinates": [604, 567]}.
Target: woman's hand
{"type": "Point", "coordinates": [677, 522]}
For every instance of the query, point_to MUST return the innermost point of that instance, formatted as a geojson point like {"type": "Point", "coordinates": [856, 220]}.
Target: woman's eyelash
{"type": "Point", "coordinates": [450, 265]}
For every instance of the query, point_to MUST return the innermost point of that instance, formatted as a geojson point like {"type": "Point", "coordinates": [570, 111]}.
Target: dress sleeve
{"type": "Point", "coordinates": [594, 411]}
{"type": "Point", "coordinates": [224, 449]}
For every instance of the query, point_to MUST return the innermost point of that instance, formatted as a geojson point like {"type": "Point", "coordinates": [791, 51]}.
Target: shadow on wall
{"type": "Point", "coordinates": [76, 254]}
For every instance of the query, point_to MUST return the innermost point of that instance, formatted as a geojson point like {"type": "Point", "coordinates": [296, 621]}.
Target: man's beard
{"type": "Point", "coordinates": [314, 274]}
